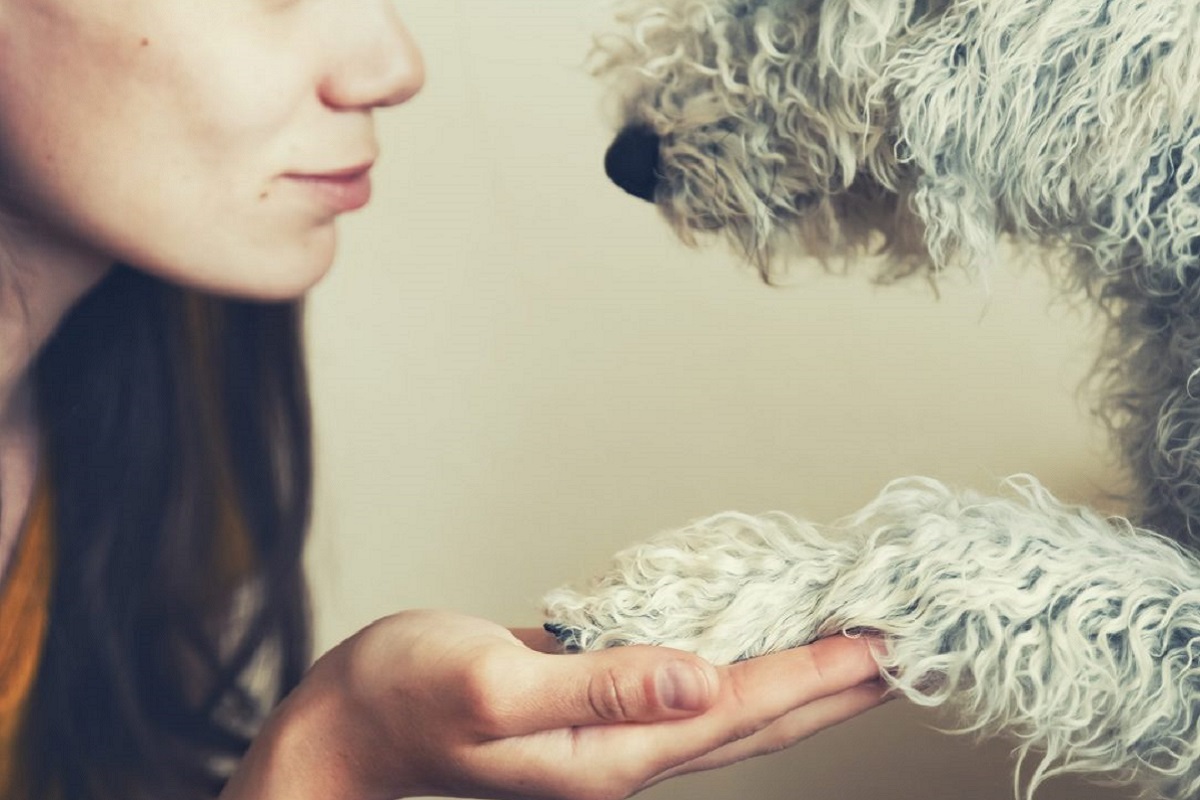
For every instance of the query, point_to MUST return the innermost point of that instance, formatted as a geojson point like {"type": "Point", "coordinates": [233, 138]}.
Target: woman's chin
{"type": "Point", "coordinates": [268, 274]}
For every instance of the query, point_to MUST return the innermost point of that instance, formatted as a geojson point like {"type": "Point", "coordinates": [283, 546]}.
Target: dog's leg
{"type": "Point", "coordinates": [1151, 374]}
{"type": "Point", "coordinates": [1073, 632]}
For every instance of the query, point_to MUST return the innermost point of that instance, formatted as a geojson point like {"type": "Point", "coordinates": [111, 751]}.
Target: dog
{"type": "Point", "coordinates": [927, 132]}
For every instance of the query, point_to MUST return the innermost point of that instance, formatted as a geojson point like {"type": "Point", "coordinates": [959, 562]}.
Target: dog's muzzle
{"type": "Point", "coordinates": [632, 161]}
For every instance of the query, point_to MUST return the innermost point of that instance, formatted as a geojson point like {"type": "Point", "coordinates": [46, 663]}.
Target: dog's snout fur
{"type": "Point", "coordinates": [632, 161]}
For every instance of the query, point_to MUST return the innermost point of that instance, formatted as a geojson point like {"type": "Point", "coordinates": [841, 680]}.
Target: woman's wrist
{"type": "Point", "coordinates": [307, 749]}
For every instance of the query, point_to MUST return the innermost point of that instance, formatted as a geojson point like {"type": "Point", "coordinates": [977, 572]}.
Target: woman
{"type": "Point", "coordinates": [170, 176]}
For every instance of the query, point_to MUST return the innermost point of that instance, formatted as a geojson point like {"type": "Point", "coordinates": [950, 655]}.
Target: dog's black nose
{"type": "Point", "coordinates": [632, 161]}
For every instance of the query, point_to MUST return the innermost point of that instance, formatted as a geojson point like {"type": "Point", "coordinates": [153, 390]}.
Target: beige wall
{"type": "Point", "coordinates": [518, 370]}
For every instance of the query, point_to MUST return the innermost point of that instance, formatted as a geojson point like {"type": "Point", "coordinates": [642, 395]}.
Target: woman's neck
{"type": "Point", "coordinates": [41, 278]}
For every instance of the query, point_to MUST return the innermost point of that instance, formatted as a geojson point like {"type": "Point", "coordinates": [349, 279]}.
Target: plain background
{"type": "Point", "coordinates": [518, 370]}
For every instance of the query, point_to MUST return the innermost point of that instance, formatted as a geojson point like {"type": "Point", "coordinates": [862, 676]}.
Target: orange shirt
{"type": "Point", "coordinates": [24, 615]}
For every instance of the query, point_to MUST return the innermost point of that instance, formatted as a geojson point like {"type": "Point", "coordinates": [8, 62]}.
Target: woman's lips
{"type": "Point", "coordinates": [341, 190]}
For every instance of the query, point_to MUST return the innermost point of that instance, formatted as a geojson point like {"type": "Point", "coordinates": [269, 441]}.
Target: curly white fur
{"type": "Point", "coordinates": [1077, 634]}
{"type": "Point", "coordinates": [927, 130]}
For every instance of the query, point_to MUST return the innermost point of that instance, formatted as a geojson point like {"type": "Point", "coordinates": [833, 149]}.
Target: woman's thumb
{"type": "Point", "coordinates": [627, 684]}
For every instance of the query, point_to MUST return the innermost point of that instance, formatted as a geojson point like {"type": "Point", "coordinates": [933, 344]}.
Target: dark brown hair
{"type": "Point", "coordinates": [178, 447]}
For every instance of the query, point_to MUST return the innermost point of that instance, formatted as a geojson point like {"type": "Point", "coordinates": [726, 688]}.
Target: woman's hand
{"type": "Point", "coordinates": [434, 703]}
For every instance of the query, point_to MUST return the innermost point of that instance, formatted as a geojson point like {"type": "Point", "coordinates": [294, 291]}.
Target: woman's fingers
{"type": "Point", "coordinates": [762, 704]}
{"type": "Point", "coordinates": [755, 694]}
{"type": "Point", "coordinates": [789, 729]}
{"type": "Point", "coordinates": [539, 692]}
{"type": "Point", "coordinates": [776, 684]}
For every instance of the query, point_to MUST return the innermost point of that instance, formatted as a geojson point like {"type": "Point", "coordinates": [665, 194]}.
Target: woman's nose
{"type": "Point", "coordinates": [379, 63]}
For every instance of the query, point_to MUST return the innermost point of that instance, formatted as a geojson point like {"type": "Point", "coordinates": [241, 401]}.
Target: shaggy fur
{"type": "Point", "coordinates": [926, 130]}
{"type": "Point", "coordinates": [1076, 633]}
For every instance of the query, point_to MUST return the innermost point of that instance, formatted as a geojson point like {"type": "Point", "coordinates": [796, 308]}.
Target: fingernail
{"type": "Point", "coordinates": [682, 687]}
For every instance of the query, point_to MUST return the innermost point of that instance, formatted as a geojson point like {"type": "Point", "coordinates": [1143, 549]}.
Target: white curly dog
{"type": "Point", "coordinates": [927, 131]}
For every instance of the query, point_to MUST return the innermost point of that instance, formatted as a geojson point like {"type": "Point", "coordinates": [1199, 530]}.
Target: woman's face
{"type": "Point", "coordinates": [211, 142]}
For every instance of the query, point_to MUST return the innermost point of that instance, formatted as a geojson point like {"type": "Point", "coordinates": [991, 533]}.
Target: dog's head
{"type": "Point", "coordinates": [755, 118]}
{"type": "Point", "coordinates": [922, 129]}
